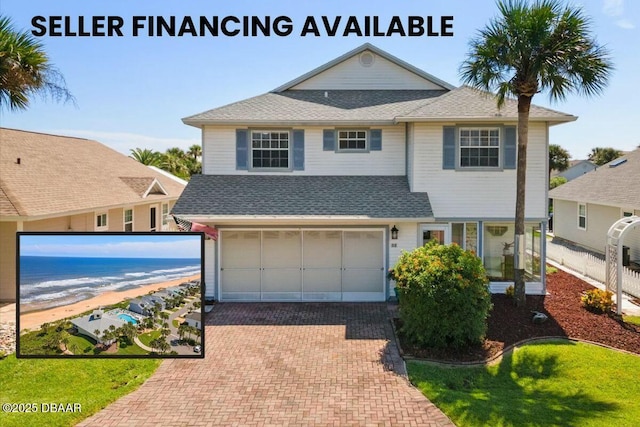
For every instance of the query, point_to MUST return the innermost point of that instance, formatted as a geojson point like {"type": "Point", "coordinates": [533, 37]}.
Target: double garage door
{"type": "Point", "coordinates": [302, 265]}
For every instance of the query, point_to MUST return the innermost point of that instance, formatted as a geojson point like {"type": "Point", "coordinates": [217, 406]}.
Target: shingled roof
{"type": "Point", "coordinates": [615, 184]}
{"type": "Point", "coordinates": [43, 174]}
{"type": "Point", "coordinates": [374, 197]}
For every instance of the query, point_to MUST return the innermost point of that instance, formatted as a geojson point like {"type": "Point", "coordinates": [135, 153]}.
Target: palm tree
{"type": "Point", "coordinates": [25, 70]}
{"type": "Point", "coordinates": [558, 158]}
{"type": "Point", "coordinates": [530, 48]}
{"type": "Point", "coordinates": [195, 151]}
{"type": "Point", "coordinates": [146, 156]}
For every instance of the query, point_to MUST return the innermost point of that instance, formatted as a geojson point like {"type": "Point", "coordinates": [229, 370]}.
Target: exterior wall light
{"type": "Point", "coordinates": [394, 233]}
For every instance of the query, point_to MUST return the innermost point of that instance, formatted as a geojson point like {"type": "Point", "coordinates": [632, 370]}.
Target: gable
{"type": "Point", "coordinates": [367, 70]}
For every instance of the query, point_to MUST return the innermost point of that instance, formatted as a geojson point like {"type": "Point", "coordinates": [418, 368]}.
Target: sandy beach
{"type": "Point", "coordinates": [33, 320]}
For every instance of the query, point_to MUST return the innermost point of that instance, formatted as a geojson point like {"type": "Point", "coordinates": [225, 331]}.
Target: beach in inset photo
{"type": "Point", "coordinates": [110, 294]}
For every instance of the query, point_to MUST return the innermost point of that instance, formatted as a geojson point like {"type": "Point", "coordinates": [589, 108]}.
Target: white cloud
{"type": "Point", "coordinates": [167, 249]}
{"type": "Point", "coordinates": [626, 24]}
{"type": "Point", "coordinates": [124, 142]}
{"type": "Point", "coordinates": [613, 7]}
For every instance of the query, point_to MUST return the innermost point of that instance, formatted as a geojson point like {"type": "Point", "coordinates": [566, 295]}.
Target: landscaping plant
{"type": "Point", "coordinates": [597, 301]}
{"type": "Point", "coordinates": [445, 296]}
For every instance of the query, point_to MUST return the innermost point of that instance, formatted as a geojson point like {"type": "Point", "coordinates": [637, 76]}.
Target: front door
{"type": "Point", "coordinates": [153, 218]}
{"type": "Point", "coordinates": [439, 232]}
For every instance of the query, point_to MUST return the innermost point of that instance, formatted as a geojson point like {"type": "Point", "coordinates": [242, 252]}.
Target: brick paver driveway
{"type": "Point", "coordinates": [283, 364]}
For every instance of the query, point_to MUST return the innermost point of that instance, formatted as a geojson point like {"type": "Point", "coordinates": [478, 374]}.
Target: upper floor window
{"type": "Point", "coordinates": [128, 220]}
{"type": "Point", "coordinates": [479, 147]}
{"type": "Point", "coordinates": [352, 140]}
{"type": "Point", "coordinates": [270, 149]}
{"type": "Point", "coordinates": [165, 216]}
{"type": "Point", "coordinates": [101, 222]}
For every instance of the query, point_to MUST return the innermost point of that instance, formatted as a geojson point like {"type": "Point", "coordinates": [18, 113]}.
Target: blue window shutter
{"type": "Point", "coordinates": [329, 140]}
{"type": "Point", "coordinates": [375, 136]}
{"type": "Point", "coordinates": [509, 160]}
{"type": "Point", "coordinates": [448, 147]}
{"type": "Point", "coordinates": [298, 149]}
{"type": "Point", "coordinates": [242, 149]}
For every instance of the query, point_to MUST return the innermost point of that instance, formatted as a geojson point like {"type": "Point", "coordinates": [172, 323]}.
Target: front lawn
{"type": "Point", "coordinates": [555, 383]}
{"type": "Point", "coordinates": [148, 337]}
{"type": "Point", "coordinates": [79, 344]}
{"type": "Point", "coordinates": [93, 383]}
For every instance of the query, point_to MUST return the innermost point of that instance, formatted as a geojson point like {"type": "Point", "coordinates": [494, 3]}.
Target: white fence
{"type": "Point", "coordinates": [593, 267]}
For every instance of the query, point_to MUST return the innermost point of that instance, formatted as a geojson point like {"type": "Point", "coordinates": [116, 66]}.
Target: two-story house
{"type": "Point", "coordinates": [317, 186]}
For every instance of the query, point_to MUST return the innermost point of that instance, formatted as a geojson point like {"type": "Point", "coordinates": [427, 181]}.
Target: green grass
{"type": "Point", "coordinates": [551, 269]}
{"type": "Point", "coordinates": [555, 383]}
{"type": "Point", "coordinates": [85, 345]}
{"type": "Point", "coordinates": [175, 323]}
{"type": "Point", "coordinates": [93, 383]}
{"type": "Point", "coordinates": [148, 337]}
{"type": "Point", "coordinates": [635, 320]}
{"type": "Point", "coordinates": [125, 349]}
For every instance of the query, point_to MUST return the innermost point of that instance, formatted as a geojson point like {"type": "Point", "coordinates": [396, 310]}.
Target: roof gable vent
{"type": "Point", "coordinates": [367, 59]}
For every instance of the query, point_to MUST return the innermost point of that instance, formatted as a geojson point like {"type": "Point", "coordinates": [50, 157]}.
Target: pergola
{"type": "Point", "coordinates": [615, 242]}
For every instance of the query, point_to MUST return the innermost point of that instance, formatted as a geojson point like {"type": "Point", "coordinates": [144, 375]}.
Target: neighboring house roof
{"type": "Point", "coordinates": [89, 323]}
{"type": "Point", "coordinates": [296, 106]}
{"type": "Point", "coordinates": [61, 174]}
{"type": "Point", "coordinates": [209, 196]}
{"type": "Point", "coordinates": [196, 315]}
{"type": "Point", "coordinates": [573, 164]}
{"type": "Point", "coordinates": [613, 184]}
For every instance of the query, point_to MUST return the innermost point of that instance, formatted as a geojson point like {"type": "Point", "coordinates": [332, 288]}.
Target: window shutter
{"type": "Point", "coordinates": [242, 149]}
{"type": "Point", "coordinates": [298, 149]}
{"type": "Point", "coordinates": [448, 147]}
{"type": "Point", "coordinates": [329, 140]}
{"type": "Point", "coordinates": [375, 136]}
{"type": "Point", "coordinates": [509, 160]}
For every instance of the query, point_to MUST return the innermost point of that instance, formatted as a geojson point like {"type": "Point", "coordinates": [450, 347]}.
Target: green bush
{"type": "Point", "coordinates": [445, 296]}
{"type": "Point", "coordinates": [510, 291]}
{"type": "Point", "coordinates": [597, 301]}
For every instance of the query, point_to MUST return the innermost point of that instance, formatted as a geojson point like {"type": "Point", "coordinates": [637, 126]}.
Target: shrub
{"type": "Point", "coordinates": [597, 301]}
{"type": "Point", "coordinates": [445, 296]}
{"type": "Point", "coordinates": [510, 291]}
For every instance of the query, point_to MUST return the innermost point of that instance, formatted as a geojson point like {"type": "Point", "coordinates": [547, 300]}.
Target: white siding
{"type": "Point", "coordinates": [220, 154]}
{"type": "Point", "coordinates": [478, 194]}
{"type": "Point", "coordinates": [351, 74]}
{"type": "Point", "coordinates": [407, 241]}
{"type": "Point", "coordinates": [409, 156]}
{"type": "Point", "coordinates": [599, 219]}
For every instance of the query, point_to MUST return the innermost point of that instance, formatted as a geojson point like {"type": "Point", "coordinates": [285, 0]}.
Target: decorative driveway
{"type": "Point", "coordinates": [275, 364]}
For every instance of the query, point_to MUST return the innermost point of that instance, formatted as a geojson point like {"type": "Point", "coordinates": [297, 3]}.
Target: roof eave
{"type": "Point", "coordinates": [293, 218]}
{"type": "Point", "coordinates": [281, 123]}
{"type": "Point", "coordinates": [494, 119]}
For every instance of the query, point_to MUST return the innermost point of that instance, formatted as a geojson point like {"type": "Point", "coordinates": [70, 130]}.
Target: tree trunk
{"type": "Point", "coordinates": [524, 104]}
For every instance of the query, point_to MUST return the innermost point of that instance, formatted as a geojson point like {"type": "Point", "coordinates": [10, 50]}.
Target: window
{"type": "Point", "coordinates": [352, 140]}
{"type": "Point", "coordinates": [128, 220]}
{"type": "Point", "coordinates": [152, 218]}
{"type": "Point", "coordinates": [101, 221]}
{"type": "Point", "coordinates": [270, 149]}
{"type": "Point", "coordinates": [165, 215]}
{"type": "Point", "coordinates": [582, 216]}
{"type": "Point", "coordinates": [480, 147]}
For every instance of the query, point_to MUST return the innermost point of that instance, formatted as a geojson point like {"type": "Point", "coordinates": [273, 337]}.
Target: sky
{"type": "Point", "coordinates": [133, 91]}
{"type": "Point", "coordinates": [100, 245]}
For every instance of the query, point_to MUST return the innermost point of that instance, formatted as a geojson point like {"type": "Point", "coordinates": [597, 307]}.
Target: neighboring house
{"type": "Point", "coordinates": [60, 183]}
{"type": "Point", "coordinates": [317, 186]}
{"type": "Point", "coordinates": [87, 325]}
{"type": "Point", "coordinates": [176, 291]}
{"type": "Point", "coordinates": [585, 208]}
{"type": "Point", "coordinates": [576, 169]}
{"type": "Point", "coordinates": [194, 319]}
{"type": "Point", "coordinates": [154, 300]}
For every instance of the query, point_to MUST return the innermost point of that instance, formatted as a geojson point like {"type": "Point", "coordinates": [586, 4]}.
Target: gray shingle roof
{"type": "Point", "coordinates": [466, 103]}
{"type": "Point", "coordinates": [615, 186]}
{"type": "Point", "coordinates": [299, 195]}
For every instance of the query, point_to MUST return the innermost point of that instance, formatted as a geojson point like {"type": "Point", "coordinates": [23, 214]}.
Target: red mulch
{"type": "Point", "coordinates": [508, 325]}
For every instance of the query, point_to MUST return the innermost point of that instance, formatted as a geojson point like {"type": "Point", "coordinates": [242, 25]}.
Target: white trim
{"type": "Point", "coordinates": [434, 227]}
{"type": "Point", "coordinates": [499, 147]}
{"type": "Point", "coordinates": [164, 217]}
{"type": "Point", "coordinates": [289, 150]}
{"type": "Point", "coordinates": [367, 141]}
{"type": "Point", "coordinates": [579, 216]}
{"type": "Point", "coordinates": [155, 184]}
{"type": "Point", "coordinates": [156, 207]}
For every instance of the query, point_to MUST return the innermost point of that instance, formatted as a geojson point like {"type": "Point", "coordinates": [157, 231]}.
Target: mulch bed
{"type": "Point", "coordinates": [508, 325]}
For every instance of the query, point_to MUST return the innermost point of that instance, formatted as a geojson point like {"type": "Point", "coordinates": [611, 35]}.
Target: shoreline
{"type": "Point", "coordinates": [34, 319]}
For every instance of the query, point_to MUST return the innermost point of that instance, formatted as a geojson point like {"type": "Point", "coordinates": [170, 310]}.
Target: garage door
{"type": "Point", "coordinates": [302, 265]}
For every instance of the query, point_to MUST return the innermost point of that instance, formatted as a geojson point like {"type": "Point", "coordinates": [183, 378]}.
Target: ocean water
{"type": "Point", "coordinates": [47, 282]}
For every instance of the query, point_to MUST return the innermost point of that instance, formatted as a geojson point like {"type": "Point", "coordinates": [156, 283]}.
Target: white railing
{"type": "Point", "coordinates": [591, 266]}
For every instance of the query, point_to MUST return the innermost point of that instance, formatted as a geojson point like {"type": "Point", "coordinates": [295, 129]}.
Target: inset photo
{"type": "Point", "coordinates": [110, 295]}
